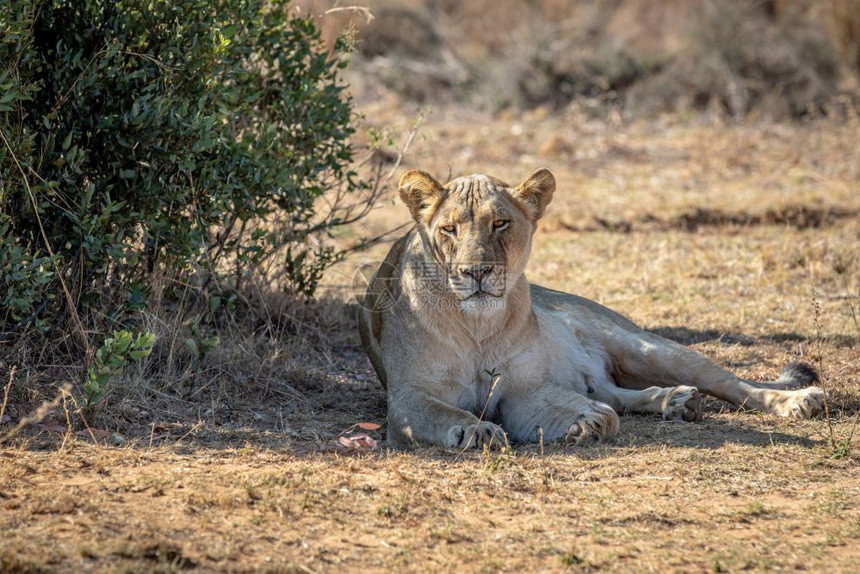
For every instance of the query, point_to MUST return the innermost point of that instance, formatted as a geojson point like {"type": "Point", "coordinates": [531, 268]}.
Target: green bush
{"type": "Point", "coordinates": [22, 283]}
{"type": "Point", "coordinates": [154, 145]}
{"type": "Point", "coordinates": [115, 353]}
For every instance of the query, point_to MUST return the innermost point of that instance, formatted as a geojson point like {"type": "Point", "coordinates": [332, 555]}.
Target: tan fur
{"type": "Point", "coordinates": [471, 354]}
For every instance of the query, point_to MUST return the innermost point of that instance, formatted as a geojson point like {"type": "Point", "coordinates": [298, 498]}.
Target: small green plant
{"type": "Point", "coordinates": [756, 508]}
{"type": "Point", "coordinates": [839, 448]}
{"type": "Point", "coordinates": [495, 461]}
{"type": "Point", "coordinates": [842, 447]}
{"type": "Point", "coordinates": [201, 342]}
{"type": "Point", "coordinates": [380, 138]}
{"type": "Point", "coordinates": [397, 507]}
{"type": "Point", "coordinates": [110, 360]}
{"type": "Point", "coordinates": [816, 319]}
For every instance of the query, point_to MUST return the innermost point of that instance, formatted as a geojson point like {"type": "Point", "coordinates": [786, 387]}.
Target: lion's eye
{"type": "Point", "coordinates": [450, 229]}
{"type": "Point", "coordinates": [500, 224]}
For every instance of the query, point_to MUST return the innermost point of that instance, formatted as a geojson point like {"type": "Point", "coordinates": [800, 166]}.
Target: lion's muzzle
{"type": "Point", "coordinates": [477, 280]}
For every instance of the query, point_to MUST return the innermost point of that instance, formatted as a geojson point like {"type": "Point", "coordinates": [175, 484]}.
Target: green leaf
{"type": "Point", "coordinates": [214, 303]}
{"type": "Point", "coordinates": [138, 355]}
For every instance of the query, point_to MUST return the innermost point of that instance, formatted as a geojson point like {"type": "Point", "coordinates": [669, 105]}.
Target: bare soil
{"type": "Point", "coordinates": [740, 240]}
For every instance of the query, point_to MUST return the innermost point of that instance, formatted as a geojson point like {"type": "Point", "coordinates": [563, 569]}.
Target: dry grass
{"type": "Point", "coordinates": [734, 492]}
{"type": "Point", "coordinates": [241, 476]}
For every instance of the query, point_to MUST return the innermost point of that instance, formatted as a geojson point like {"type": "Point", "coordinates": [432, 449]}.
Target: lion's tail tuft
{"type": "Point", "coordinates": [798, 374]}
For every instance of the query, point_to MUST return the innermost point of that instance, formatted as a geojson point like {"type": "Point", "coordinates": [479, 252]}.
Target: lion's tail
{"type": "Point", "coordinates": [794, 375]}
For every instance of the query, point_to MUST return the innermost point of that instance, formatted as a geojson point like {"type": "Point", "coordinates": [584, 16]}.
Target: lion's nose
{"type": "Point", "coordinates": [477, 272]}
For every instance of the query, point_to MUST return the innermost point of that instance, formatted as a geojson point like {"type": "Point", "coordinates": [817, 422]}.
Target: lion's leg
{"type": "Point", "coordinates": [415, 416]}
{"type": "Point", "coordinates": [674, 403]}
{"type": "Point", "coordinates": [555, 413]}
{"type": "Point", "coordinates": [642, 359]}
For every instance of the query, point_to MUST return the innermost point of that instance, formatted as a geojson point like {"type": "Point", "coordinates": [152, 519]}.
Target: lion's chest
{"type": "Point", "coordinates": [484, 378]}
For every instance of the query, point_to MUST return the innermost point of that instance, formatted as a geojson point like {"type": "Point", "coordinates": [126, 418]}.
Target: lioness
{"type": "Point", "coordinates": [471, 354]}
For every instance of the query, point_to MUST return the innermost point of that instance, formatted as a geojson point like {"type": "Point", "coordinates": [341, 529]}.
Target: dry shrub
{"type": "Point", "coordinates": [737, 58]}
{"type": "Point", "coordinates": [842, 20]}
{"type": "Point", "coordinates": [283, 368]}
{"type": "Point", "coordinates": [777, 59]}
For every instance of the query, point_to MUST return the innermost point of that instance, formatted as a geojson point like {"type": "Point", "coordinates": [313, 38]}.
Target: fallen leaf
{"type": "Point", "coordinates": [364, 440]}
{"type": "Point", "coordinates": [369, 426]}
{"type": "Point", "coordinates": [346, 441]}
{"type": "Point", "coordinates": [355, 444]}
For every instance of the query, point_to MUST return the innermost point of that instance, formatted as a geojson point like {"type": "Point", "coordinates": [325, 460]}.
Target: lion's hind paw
{"type": "Point", "coordinates": [803, 403]}
{"type": "Point", "coordinates": [683, 404]}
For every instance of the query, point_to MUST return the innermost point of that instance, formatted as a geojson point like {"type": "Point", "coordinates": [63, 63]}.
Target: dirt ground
{"type": "Point", "coordinates": [740, 240]}
{"type": "Point", "coordinates": [734, 492]}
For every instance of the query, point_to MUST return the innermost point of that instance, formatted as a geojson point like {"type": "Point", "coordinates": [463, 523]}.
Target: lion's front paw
{"type": "Point", "coordinates": [597, 424]}
{"type": "Point", "coordinates": [476, 436]}
{"type": "Point", "coordinates": [683, 403]}
{"type": "Point", "coordinates": [803, 403]}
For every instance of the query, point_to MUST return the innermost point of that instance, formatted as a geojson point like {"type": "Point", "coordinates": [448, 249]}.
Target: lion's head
{"type": "Point", "coordinates": [477, 229]}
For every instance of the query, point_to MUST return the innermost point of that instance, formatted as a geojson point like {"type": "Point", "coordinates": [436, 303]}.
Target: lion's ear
{"type": "Point", "coordinates": [420, 192]}
{"type": "Point", "coordinates": [536, 191]}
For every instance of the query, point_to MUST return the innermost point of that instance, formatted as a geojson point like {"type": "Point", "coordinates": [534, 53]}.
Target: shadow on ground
{"type": "Point", "coordinates": [305, 416]}
{"type": "Point", "coordinates": [687, 336]}
{"type": "Point", "coordinates": [719, 427]}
